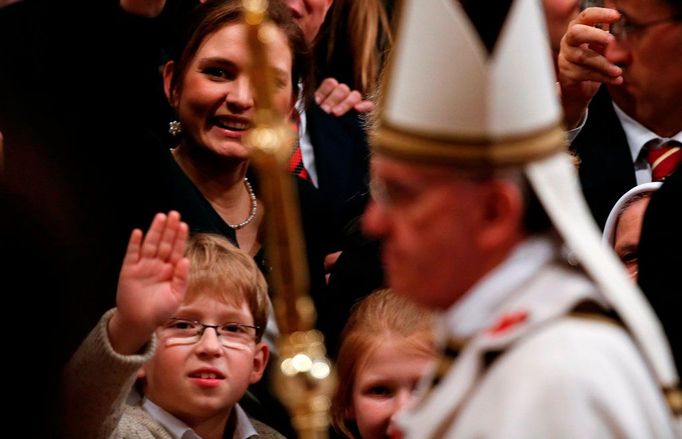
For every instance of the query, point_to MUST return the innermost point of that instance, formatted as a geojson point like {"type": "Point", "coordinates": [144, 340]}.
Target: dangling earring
{"type": "Point", "coordinates": [175, 128]}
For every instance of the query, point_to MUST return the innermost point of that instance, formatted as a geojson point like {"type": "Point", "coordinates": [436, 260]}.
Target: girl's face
{"type": "Point", "coordinates": [386, 381]}
{"type": "Point", "coordinates": [215, 101]}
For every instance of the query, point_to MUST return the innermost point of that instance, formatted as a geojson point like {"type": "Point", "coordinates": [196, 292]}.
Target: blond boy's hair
{"type": "Point", "coordinates": [224, 272]}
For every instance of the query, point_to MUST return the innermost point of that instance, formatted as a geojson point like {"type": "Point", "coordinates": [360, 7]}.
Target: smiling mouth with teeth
{"type": "Point", "coordinates": [233, 125]}
{"type": "Point", "coordinates": [206, 376]}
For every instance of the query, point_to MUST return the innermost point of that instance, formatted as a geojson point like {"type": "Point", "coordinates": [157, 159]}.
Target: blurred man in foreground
{"type": "Point", "coordinates": [478, 205]}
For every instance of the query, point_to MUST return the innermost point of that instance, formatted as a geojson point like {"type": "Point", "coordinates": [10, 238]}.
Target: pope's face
{"type": "Point", "coordinates": [426, 219]}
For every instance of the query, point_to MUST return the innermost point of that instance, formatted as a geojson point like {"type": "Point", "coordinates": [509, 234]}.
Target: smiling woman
{"type": "Point", "coordinates": [206, 176]}
{"type": "Point", "coordinates": [215, 102]}
{"type": "Point", "coordinates": [209, 88]}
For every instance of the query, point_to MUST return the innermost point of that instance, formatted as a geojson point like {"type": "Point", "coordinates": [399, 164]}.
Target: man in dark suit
{"type": "Point", "coordinates": [613, 143]}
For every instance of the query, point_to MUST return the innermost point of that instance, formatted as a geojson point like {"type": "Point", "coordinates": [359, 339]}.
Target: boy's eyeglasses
{"type": "Point", "coordinates": [182, 331]}
{"type": "Point", "coordinates": [622, 28]}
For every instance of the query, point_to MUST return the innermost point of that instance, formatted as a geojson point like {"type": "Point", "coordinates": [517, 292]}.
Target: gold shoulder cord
{"type": "Point", "coordinates": [303, 380]}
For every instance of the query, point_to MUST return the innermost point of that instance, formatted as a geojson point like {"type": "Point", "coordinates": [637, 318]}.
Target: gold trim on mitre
{"type": "Point", "coordinates": [468, 152]}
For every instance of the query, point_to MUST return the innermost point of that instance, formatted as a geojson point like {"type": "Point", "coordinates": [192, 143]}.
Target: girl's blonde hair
{"type": "Point", "coordinates": [380, 315]}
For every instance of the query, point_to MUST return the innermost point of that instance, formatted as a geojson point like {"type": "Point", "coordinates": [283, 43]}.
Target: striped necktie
{"type": "Point", "coordinates": [663, 158]}
{"type": "Point", "coordinates": [296, 166]}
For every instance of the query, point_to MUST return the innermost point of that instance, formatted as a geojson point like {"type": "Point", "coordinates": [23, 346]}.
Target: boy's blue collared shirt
{"type": "Point", "coordinates": [179, 430]}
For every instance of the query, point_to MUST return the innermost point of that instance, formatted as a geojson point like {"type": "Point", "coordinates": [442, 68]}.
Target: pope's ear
{"type": "Point", "coordinates": [501, 213]}
{"type": "Point", "coordinates": [141, 373]}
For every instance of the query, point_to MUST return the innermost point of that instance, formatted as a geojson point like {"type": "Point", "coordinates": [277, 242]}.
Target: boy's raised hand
{"type": "Point", "coordinates": [152, 282]}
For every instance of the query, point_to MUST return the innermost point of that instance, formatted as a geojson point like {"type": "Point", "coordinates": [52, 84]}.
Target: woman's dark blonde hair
{"type": "Point", "coordinates": [380, 315]}
{"type": "Point", "coordinates": [359, 33]}
{"type": "Point", "coordinates": [224, 272]}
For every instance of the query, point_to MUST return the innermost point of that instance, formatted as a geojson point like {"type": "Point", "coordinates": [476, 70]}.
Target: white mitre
{"type": "Point", "coordinates": [446, 99]}
{"type": "Point", "coordinates": [449, 98]}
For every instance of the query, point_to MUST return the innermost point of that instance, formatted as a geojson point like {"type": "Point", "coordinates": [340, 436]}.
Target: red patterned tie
{"type": "Point", "coordinates": [664, 159]}
{"type": "Point", "coordinates": [296, 166]}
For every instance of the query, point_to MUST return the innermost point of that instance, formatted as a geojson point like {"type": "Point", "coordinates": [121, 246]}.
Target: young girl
{"type": "Point", "coordinates": [386, 348]}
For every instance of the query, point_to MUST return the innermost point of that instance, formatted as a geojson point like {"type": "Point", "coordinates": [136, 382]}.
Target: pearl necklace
{"type": "Point", "coordinates": [254, 207]}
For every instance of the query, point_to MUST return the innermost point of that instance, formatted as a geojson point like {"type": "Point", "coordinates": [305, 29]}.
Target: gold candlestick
{"type": "Point", "coordinates": [304, 380]}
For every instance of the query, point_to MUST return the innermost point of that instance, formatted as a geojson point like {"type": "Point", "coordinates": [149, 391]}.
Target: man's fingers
{"type": "Point", "coordinates": [587, 59]}
{"type": "Point", "coordinates": [578, 75]}
{"type": "Point", "coordinates": [594, 16]}
{"type": "Point", "coordinates": [578, 35]}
